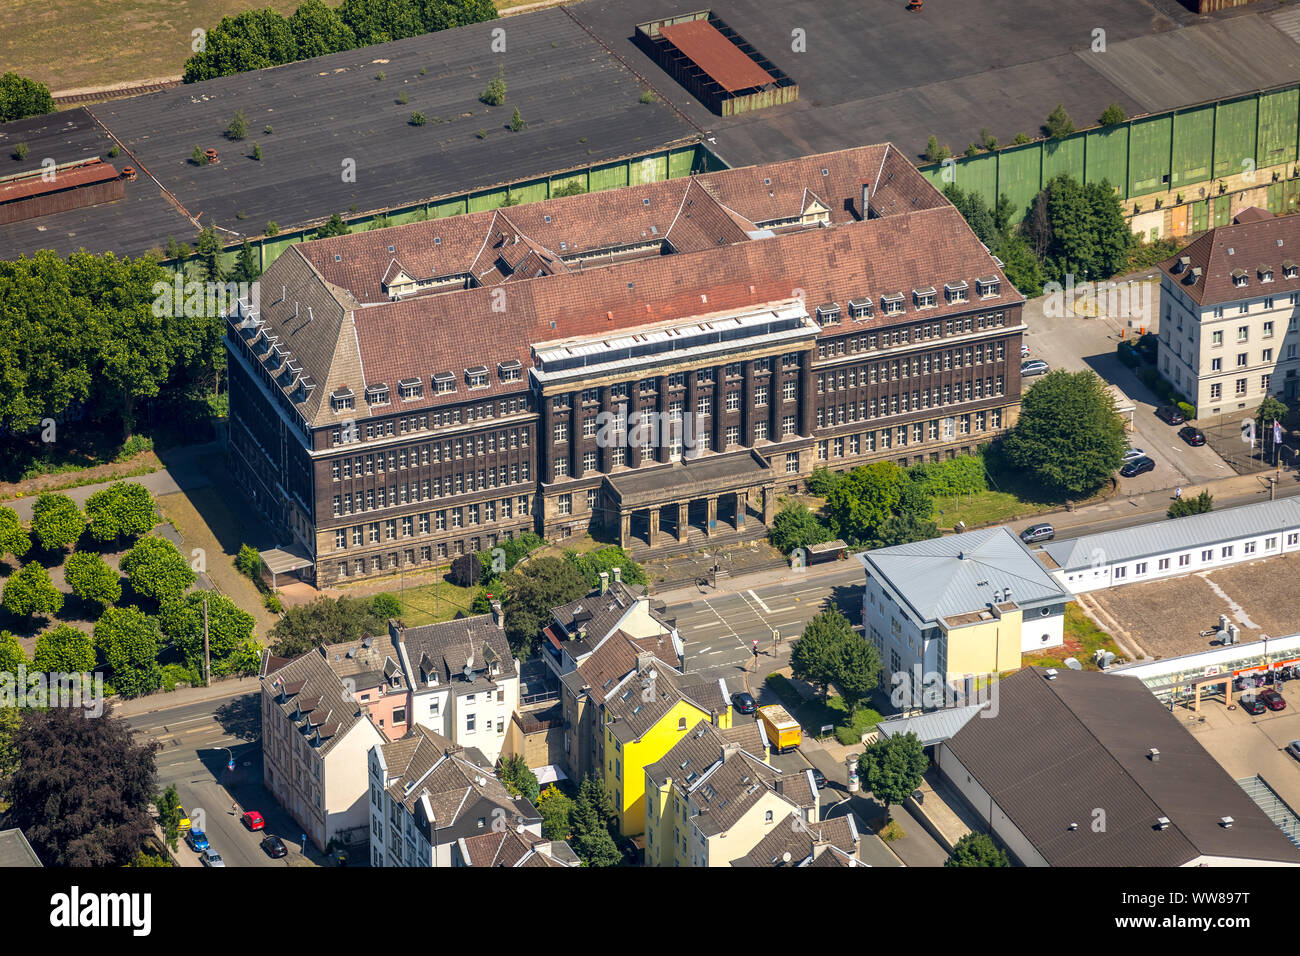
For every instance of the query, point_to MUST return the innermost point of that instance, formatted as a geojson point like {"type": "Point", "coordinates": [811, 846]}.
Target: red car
{"type": "Point", "coordinates": [1272, 699]}
{"type": "Point", "coordinates": [253, 820]}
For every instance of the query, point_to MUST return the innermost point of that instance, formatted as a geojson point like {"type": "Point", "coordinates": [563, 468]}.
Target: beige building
{"type": "Point", "coordinates": [1228, 315]}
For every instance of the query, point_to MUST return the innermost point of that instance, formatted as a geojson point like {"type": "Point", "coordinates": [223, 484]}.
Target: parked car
{"type": "Point", "coordinates": [184, 825]}
{"type": "Point", "coordinates": [208, 858]}
{"type": "Point", "coordinates": [1024, 351]}
{"type": "Point", "coordinates": [744, 703]}
{"type": "Point", "coordinates": [274, 847]}
{"type": "Point", "coordinates": [1170, 415]}
{"type": "Point", "coordinates": [1137, 467]}
{"type": "Point", "coordinates": [1034, 367]}
{"type": "Point", "coordinates": [253, 820]}
{"type": "Point", "coordinates": [198, 841]}
{"type": "Point", "coordinates": [1038, 532]}
{"type": "Point", "coordinates": [1193, 436]}
{"type": "Point", "coordinates": [1293, 748]}
{"type": "Point", "coordinates": [1272, 699]}
{"type": "Point", "coordinates": [1131, 454]}
{"type": "Point", "coordinates": [819, 778]}
{"type": "Point", "coordinates": [1252, 705]}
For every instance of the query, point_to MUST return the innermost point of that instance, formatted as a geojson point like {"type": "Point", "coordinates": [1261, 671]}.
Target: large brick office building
{"type": "Point", "coordinates": [656, 361]}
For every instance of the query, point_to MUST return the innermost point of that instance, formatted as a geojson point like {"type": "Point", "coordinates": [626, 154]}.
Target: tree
{"type": "Point", "coordinates": [386, 605]}
{"type": "Point", "coordinates": [325, 621]}
{"type": "Point", "coordinates": [573, 187]}
{"type": "Point", "coordinates": [495, 94]}
{"type": "Point", "coordinates": [1079, 230]}
{"type": "Point", "coordinates": [238, 127]}
{"type": "Point", "coordinates": [531, 593]}
{"type": "Point", "coordinates": [14, 538]}
{"type": "Point", "coordinates": [977, 849]}
{"type": "Point", "coordinates": [169, 815]}
{"type": "Point", "coordinates": [229, 628]}
{"type": "Point", "coordinates": [129, 640]}
{"type": "Point", "coordinates": [30, 591]}
{"type": "Point", "coordinates": [466, 570]}
{"type": "Point", "coordinates": [247, 268]}
{"type": "Point", "coordinates": [156, 569]}
{"type": "Point", "coordinates": [21, 97]}
{"type": "Point", "coordinates": [334, 226]}
{"type": "Point", "coordinates": [56, 521]}
{"type": "Point", "coordinates": [320, 30]}
{"type": "Point", "coordinates": [1058, 125]}
{"type": "Point", "coordinates": [976, 212]}
{"type": "Point", "coordinates": [822, 481]}
{"type": "Point", "coordinates": [252, 40]}
{"type": "Point", "coordinates": [64, 650]}
{"type": "Point", "coordinates": [858, 672]}
{"type": "Point", "coordinates": [1113, 115]}
{"type": "Point", "coordinates": [606, 559]}
{"type": "Point", "coordinates": [11, 654]}
{"type": "Point", "coordinates": [81, 790]}
{"type": "Point", "coordinates": [517, 121]}
{"type": "Point", "coordinates": [124, 509]}
{"type": "Point", "coordinates": [1271, 409]}
{"type": "Point", "coordinates": [1020, 265]}
{"type": "Point", "coordinates": [592, 824]}
{"type": "Point", "coordinates": [892, 767]}
{"type": "Point", "coordinates": [91, 579]}
{"type": "Point", "coordinates": [797, 527]}
{"type": "Point", "coordinates": [518, 779]}
{"type": "Point", "coordinates": [556, 810]}
{"type": "Point", "coordinates": [816, 656]}
{"type": "Point", "coordinates": [208, 248]}
{"type": "Point", "coordinates": [934, 153]}
{"type": "Point", "coordinates": [879, 503]}
{"type": "Point", "coordinates": [1182, 507]}
{"type": "Point", "coordinates": [1069, 436]}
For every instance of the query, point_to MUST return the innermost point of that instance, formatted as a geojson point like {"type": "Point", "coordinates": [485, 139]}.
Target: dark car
{"type": "Point", "coordinates": [1193, 436]}
{"type": "Point", "coordinates": [1170, 415]}
{"type": "Point", "coordinates": [1252, 705]}
{"type": "Point", "coordinates": [274, 847]}
{"type": "Point", "coordinates": [1038, 532]}
{"type": "Point", "coordinates": [1272, 700]}
{"type": "Point", "coordinates": [1137, 467]}
{"type": "Point", "coordinates": [1034, 367]}
{"type": "Point", "coordinates": [819, 778]}
{"type": "Point", "coordinates": [744, 703]}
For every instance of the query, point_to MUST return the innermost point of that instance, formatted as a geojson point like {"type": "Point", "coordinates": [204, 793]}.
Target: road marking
{"type": "Point", "coordinates": [765, 608]}
{"type": "Point", "coordinates": [704, 649]}
{"type": "Point", "coordinates": [782, 610]}
{"type": "Point", "coordinates": [700, 627]}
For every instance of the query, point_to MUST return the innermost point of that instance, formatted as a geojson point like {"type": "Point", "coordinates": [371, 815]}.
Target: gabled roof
{"type": "Point", "coordinates": [1061, 748]}
{"type": "Point", "coordinates": [444, 648]}
{"type": "Point", "coordinates": [514, 847]}
{"type": "Point", "coordinates": [961, 573]}
{"type": "Point", "coordinates": [312, 694]}
{"type": "Point", "coordinates": [806, 843]}
{"type": "Point", "coordinates": [725, 794]}
{"type": "Point", "coordinates": [1247, 244]}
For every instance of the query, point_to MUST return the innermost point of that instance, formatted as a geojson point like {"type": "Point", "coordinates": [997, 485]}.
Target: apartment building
{"type": "Point", "coordinates": [581, 626]}
{"type": "Point", "coordinates": [1228, 315]}
{"type": "Point", "coordinates": [657, 361]}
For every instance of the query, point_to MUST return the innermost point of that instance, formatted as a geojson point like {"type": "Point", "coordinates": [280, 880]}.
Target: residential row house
{"type": "Point", "coordinates": [656, 362]}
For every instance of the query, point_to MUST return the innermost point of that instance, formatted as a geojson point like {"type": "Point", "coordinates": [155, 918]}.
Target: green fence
{"type": "Point", "coordinates": [637, 170]}
{"type": "Point", "coordinates": [1149, 154]}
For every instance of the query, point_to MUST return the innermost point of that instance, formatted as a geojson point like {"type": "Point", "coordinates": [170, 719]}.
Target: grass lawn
{"type": "Point", "coordinates": [1082, 640]}
{"type": "Point", "coordinates": [984, 508]}
{"type": "Point", "coordinates": [813, 714]}
{"type": "Point", "coordinates": [433, 603]}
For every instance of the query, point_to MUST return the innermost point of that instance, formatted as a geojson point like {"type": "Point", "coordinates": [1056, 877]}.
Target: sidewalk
{"type": "Point", "coordinates": [168, 700]}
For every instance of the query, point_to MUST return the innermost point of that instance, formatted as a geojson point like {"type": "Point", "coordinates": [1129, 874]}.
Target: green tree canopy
{"type": "Point", "coordinates": [1069, 436]}
{"type": "Point", "coordinates": [977, 849]}
{"type": "Point", "coordinates": [797, 527]}
{"type": "Point", "coordinates": [64, 650]}
{"type": "Point", "coordinates": [1182, 507]}
{"type": "Point", "coordinates": [556, 810]}
{"type": "Point", "coordinates": [11, 654]}
{"type": "Point", "coordinates": [325, 621]}
{"type": "Point", "coordinates": [1113, 115]}
{"type": "Point", "coordinates": [14, 538]}
{"type": "Point", "coordinates": [169, 815]}
{"type": "Point", "coordinates": [518, 778]}
{"type": "Point", "coordinates": [858, 672]}
{"type": "Point", "coordinates": [1058, 125]}
{"type": "Point", "coordinates": [30, 591]}
{"type": "Point", "coordinates": [1079, 230]}
{"type": "Point", "coordinates": [252, 40]}
{"type": "Point", "coordinates": [816, 656]}
{"type": "Point", "coordinates": [531, 592]}
{"type": "Point", "coordinates": [156, 569]}
{"type": "Point", "coordinates": [334, 226]}
{"type": "Point", "coordinates": [21, 97]}
{"type": "Point", "coordinates": [129, 641]}
{"type": "Point", "coordinates": [229, 628]}
{"type": "Point", "coordinates": [91, 579]}
{"type": "Point", "coordinates": [320, 30]}
{"type": "Point", "coordinates": [81, 789]}
{"type": "Point", "coordinates": [606, 559]}
{"type": "Point", "coordinates": [880, 504]}
{"type": "Point", "coordinates": [56, 521]}
{"type": "Point", "coordinates": [592, 823]}
{"type": "Point", "coordinates": [893, 766]}
{"type": "Point", "coordinates": [124, 509]}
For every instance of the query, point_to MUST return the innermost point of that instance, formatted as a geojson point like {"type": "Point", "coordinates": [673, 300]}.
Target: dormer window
{"type": "Point", "coordinates": [828, 314]}
{"type": "Point", "coordinates": [892, 303]}
{"type": "Point", "coordinates": [988, 287]}
{"type": "Point", "coordinates": [343, 400]}
{"type": "Point", "coordinates": [444, 382]}
{"type": "Point", "coordinates": [1265, 273]}
{"type": "Point", "coordinates": [957, 291]}
{"type": "Point", "coordinates": [477, 377]}
{"type": "Point", "coordinates": [860, 308]}
{"type": "Point", "coordinates": [510, 371]}
{"type": "Point", "coordinates": [924, 298]}
{"type": "Point", "coordinates": [1289, 270]}
{"type": "Point", "coordinates": [377, 394]}
{"type": "Point", "coordinates": [1239, 277]}
{"type": "Point", "coordinates": [410, 389]}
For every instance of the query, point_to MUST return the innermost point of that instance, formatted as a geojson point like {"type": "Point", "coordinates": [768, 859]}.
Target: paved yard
{"type": "Point", "coordinates": [1245, 746]}
{"type": "Point", "coordinates": [1166, 617]}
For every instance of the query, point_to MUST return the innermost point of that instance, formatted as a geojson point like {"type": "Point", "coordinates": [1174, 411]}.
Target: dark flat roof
{"type": "Point", "coordinates": [691, 477]}
{"type": "Point", "coordinates": [722, 60]}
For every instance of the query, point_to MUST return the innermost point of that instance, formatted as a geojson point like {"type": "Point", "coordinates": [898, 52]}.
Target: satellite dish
{"type": "Point", "coordinates": [785, 857]}
{"type": "Point", "coordinates": [652, 674]}
{"type": "Point", "coordinates": [1073, 664]}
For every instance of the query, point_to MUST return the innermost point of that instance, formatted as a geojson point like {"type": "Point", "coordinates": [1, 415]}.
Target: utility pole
{"type": "Point", "coordinates": [207, 658]}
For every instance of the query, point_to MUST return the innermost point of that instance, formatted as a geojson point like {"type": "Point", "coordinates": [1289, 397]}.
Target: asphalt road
{"type": "Point", "coordinates": [196, 742]}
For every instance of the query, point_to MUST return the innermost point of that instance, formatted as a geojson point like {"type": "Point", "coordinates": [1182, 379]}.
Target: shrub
{"type": "Point", "coordinates": [517, 122]}
{"type": "Point", "coordinates": [380, 75]}
{"type": "Point", "coordinates": [647, 98]}
{"type": "Point", "coordinates": [1020, 139]}
{"type": "Point", "coordinates": [113, 152]}
{"type": "Point", "coordinates": [198, 157]}
{"type": "Point", "coordinates": [272, 602]}
{"type": "Point", "coordinates": [402, 98]}
{"type": "Point", "coordinates": [1128, 355]}
{"type": "Point", "coordinates": [891, 831]}
{"type": "Point", "coordinates": [267, 129]}
{"type": "Point", "coordinates": [1188, 410]}
{"type": "Point", "coordinates": [481, 134]}
{"type": "Point", "coordinates": [238, 127]}
{"type": "Point", "coordinates": [256, 154]}
{"type": "Point", "coordinates": [249, 563]}
{"type": "Point", "coordinates": [823, 481]}
{"type": "Point", "coordinates": [495, 94]}
{"type": "Point", "coordinates": [417, 119]}
{"type": "Point", "coordinates": [272, 228]}
{"type": "Point", "coordinates": [387, 605]}
{"type": "Point", "coordinates": [20, 151]}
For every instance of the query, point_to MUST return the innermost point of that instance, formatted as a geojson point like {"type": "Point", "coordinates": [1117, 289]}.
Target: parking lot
{"type": "Point", "coordinates": [1165, 618]}
{"type": "Point", "coordinates": [1075, 343]}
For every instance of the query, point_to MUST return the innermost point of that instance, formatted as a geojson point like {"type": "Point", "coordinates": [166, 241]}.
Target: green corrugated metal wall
{"type": "Point", "coordinates": [1148, 161]}
{"type": "Point", "coordinates": [1234, 136]}
{"type": "Point", "coordinates": [1193, 147]}
{"type": "Point", "coordinates": [1278, 113]}
{"type": "Point", "coordinates": [1018, 174]}
{"type": "Point", "coordinates": [1108, 155]}
{"type": "Point", "coordinates": [1063, 156]}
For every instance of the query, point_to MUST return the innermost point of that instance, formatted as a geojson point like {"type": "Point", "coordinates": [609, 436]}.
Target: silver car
{"type": "Point", "coordinates": [211, 859]}
{"type": "Point", "coordinates": [1034, 367]}
{"type": "Point", "coordinates": [1293, 748]}
{"type": "Point", "coordinates": [1133, 454]}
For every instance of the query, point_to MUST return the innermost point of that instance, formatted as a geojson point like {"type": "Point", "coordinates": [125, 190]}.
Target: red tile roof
{"type": "Point", "coordinates": [1247, 247]}
{"type": "Point", "coordinates": [724, 62]}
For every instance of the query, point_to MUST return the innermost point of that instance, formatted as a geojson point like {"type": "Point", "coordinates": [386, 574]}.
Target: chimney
{"type": "Point", "coordinates": [1154, 754]}
{"type": "Point", "coordinates": [498, 618]}
{"type": "Point", "coordinates": [618, 575]}
{"type": "Point", "coordinates": [604, 581]}
{"type": "Point", "coordinates": [643, 660]}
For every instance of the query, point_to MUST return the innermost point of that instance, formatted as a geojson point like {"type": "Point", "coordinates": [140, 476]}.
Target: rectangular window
{"type": "Point", "coordinates": [792, 463]}
{"type": "Point", "coordinates": [564, 504]}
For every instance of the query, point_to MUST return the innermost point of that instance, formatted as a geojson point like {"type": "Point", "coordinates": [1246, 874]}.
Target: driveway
{"type": "Point", "coordinates": [1075, 343]}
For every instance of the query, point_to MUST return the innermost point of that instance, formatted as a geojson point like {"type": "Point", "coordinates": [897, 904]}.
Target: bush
{"type": "Point", "coordinates": [272, 602]}
{"type": "Point", "coordinates": [823, 481]}
{"type": "Point", "coordinates": [387, 605]}
{"type": "Point", "coordinates": [1128, 355]}
{"type": "Point", "coordinates": [495, 94]}
{"type": "Point", "coordinates": [517, 122]}
{"type": "Point", "coordinates": [1188, 410]}
{"type": "Point", "coordinates": [647, 97]}
{"type": "Point", "coordinates": [238, 127]}
{"type": "Point", "coordinates": [249, 563]}
{"type": "Point", "coordinates": [272, 228]}
{"type": "Point", "coordinates": [417, 119]}
{"type": "Point", "coordinates": [20, 151]}
{"type": "Point", "coordinates": [257, 153]}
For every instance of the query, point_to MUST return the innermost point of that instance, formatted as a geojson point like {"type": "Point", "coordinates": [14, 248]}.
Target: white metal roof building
{"type": "Point", "coordinates": [1166, 548]}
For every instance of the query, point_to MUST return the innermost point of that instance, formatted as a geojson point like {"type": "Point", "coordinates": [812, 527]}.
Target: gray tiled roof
{"type": "Point", "coordinates": [1162, 537]}
{"type": "Point", "coordinates": [1061, 748]}
{"type": "Point", "coordinates": [598, 614]}
{"type": "Point", "coordinates": [800, 839]}
{"type": "Point", "coordinates": [701, 747]}
{"type": "Point", "coordinates": [448, 645]}
{"type": "Point", "coordinates": [639, 701]}
{"type": "Point", "coordinates": [724, 795]}
{"type": "Point", "coordinates": [310, 685]}
{"type": "Point", "coordinates": [15, 850]}
{"type": "Point", "coordinates": [960, 573]}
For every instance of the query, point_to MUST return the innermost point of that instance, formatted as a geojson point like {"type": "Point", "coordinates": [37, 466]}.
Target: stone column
{"type": "Point", "coordinates": [653, 534]}
{"type": "Point", "coordinates": [688, 409]}
{"type": "Point", "coordinates": [661, 405]}
{"type": "Point", "coordinates": [711, 515]}
{"type": "Point", "coordinates": [625, 529]}
{"type": "Point", "coordinates": [769, 505]}
{"type": "Point", "coordinates": [806, 394]}
{"type": "Point", "coordinates": [720, 408]}
{"type": "Point", "coordinates": [742, 504]}
{"type": "Point", "coordinates": [747, 410]}
{"type": "Point", "coordinates": [545, 440]}
{"type": "Point", "coordinates": [682, 514]}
